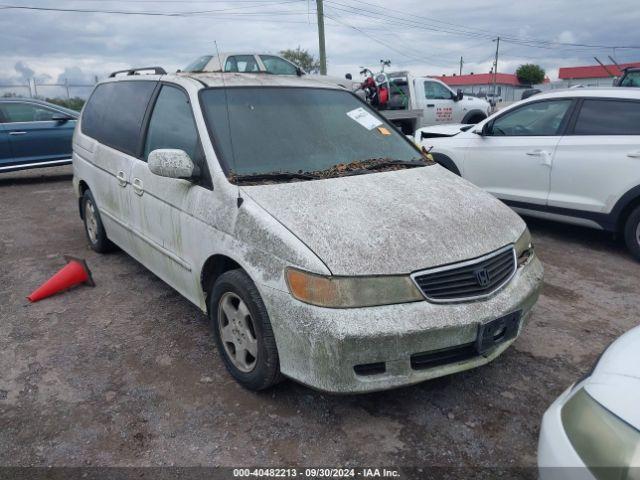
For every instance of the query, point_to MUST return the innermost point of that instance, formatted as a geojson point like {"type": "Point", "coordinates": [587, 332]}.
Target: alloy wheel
{"type": "Point", "coordinates": [91, 221]}
{"type": "Point", "coordinates": [237, 332]}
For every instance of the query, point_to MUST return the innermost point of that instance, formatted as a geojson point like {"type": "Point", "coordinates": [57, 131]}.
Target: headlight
{"type": "Point", "coordinates": [600, 438]}
{"type": "Point", "coordinates": [351, 292]}
{"type": "Point", "coordinates": [524, 247]}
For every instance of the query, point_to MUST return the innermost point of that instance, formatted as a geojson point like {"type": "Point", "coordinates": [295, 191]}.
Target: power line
{"type": "Point", "coordinates": [457, 29]}
{"type": "Point", "coordinates": [156, 14]}
{"type": "Point", "coordinates": [348, 25]}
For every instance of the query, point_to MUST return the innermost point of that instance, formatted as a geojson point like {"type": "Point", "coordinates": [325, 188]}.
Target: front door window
{"type": "Point", "coordinates": [532, 120]}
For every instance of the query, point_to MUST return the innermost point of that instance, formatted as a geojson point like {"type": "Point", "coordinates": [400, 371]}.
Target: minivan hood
{"type": "Point", "coordinates": [390, 222]}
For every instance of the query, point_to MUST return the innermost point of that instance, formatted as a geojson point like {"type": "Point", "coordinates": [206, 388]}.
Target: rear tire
{"type": "Point", "coordinates": [242, 331]}
{"type": "Point", "coordinates": [93, 226]}
{"type": "Point", "coordinates": [632, 233]}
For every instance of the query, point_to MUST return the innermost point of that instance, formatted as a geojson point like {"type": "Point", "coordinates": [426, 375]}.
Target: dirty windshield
{"type": "Point", "coordinates": [296, 134]}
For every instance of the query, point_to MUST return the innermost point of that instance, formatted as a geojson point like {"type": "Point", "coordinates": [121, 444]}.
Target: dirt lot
{"type": "Point", "coordinates": [127, 374]}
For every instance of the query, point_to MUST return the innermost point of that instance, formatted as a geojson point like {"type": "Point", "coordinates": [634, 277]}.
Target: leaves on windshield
{"type": "Point", "coordinates": [358, 167]}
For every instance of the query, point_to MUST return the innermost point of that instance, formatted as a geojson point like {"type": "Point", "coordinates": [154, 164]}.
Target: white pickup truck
{"type": "Point", "coordinates": [416, 102]}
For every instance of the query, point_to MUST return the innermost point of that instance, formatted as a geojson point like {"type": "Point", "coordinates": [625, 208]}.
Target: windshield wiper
{"type": "Point", "coordinates": [257, 177]}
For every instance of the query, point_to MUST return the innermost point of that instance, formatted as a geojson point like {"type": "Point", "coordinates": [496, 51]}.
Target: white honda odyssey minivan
{"type": "Point", "coordinates": [321, 243]}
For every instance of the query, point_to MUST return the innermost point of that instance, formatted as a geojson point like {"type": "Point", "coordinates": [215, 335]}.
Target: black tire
{"type": "Point", "coordinates": [266, 370]}
{"type": "Point", "coordinates": [477, 119]}
{"type": "Point", "coordinates": [98, 240]}
{"type": "Point", "coordinates": [632, 233]}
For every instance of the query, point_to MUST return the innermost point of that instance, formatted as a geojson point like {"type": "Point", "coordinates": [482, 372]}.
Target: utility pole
{"type": "Point", "coordinates": [495, 66]}
{"type": "Point", "coordinates": [323, 54]}
{"type": "Point", "coordinates": [461, 64]}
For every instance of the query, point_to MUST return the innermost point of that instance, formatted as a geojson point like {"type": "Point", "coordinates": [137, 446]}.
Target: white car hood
{"type": "Point", "coordinates": [615, 382]}
{"type": "Point", "coordinates": [390, 222]}
{"type": "Point", "coordinates": [441, 130]}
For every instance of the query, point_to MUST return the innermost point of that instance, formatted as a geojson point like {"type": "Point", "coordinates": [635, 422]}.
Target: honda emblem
{"type": "Point", "coordinates": [482, 277]}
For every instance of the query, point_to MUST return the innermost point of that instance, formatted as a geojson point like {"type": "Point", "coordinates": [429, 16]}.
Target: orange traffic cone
{"type": "Point", "coordinates": [73, 273]}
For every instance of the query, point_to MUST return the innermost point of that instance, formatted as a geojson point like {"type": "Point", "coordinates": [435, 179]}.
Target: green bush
{"type": "Point", "coordinates": [530, 74]}
{"type": "Point", "coordinates": [74, 103]}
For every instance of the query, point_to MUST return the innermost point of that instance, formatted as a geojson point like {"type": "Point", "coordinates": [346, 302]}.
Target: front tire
{"type": "Point", "coordinates": [242, 331]}
{"type": "Point", "coordinates": [632, 233]}
{"type": "Point", "coordinates": [93, 226]}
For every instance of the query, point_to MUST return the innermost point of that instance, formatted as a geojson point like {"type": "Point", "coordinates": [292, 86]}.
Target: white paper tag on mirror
{"type": "Point", "coordinates": [364, 118]}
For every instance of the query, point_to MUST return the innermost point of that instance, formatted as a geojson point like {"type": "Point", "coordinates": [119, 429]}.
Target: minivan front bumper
{"type": "Point", "coordinates": [377, 348]}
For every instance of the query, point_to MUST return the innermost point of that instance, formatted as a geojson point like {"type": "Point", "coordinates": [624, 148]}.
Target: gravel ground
{"type": "Point", "coordinates": [126, 373]}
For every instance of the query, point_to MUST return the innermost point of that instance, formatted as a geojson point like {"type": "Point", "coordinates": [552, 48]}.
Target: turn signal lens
{"type": "Point", "coordinates": [351, 292]}
{"type": "Point", "coordinates": [524, 247]}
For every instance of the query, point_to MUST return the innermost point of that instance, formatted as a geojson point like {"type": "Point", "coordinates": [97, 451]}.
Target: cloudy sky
{"type": "Point", "coordinates": [427, 37]}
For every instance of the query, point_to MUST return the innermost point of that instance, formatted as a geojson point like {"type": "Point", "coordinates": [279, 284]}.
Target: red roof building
{"type": "Point", "coordinates": [507, 86]}
{"type": "Point", "coordinates": [593, 71]}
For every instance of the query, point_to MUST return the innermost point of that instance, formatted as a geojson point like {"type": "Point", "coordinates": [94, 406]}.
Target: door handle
{"type": "Point", "coordinates": [431, 105]}
{"type": "Point", "coordinates": [633, 154]}
{"type": "Point", "coordinates": [138, 187]}
{"type": "Point", "coordinates": [544, 156]}
{"type": "Point", "coordinates": [536, 153]}
{"type": "Point", "coordinates": [122, 179]}
{"type": "Point", "coordinates": [17, 133]}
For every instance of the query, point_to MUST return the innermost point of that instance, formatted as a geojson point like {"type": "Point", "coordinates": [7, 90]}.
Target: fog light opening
{"type": "Point", "coordinates": [370, 369]}
{"type": "Point", "coordinates": [500, 333]}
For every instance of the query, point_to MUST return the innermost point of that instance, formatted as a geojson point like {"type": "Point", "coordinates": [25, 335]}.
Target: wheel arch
{"type": "Point", "coordinates": [624, 206]}
{"type": "Point", "coordinates": [474, 113]}
{"type": "Point", "coordinates": [213, 267]}
{"type": "Point", "coordinates": [82, 187]}
{"type": "Point", "coordinates": [446, 162]}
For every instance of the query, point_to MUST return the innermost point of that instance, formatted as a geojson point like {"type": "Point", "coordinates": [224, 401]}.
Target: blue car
{"type": "Point", "coordinates": [34, 134]}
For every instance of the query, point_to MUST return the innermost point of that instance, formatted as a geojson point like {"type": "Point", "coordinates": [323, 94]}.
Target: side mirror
{"type": "Point", "coordinates": [460, 95]}
{"type": "Point", "coordinates": [60, 118]}
{"type": "Point", "coordinates": [299, 71]}
{"type": "Point", "coordinates": [348, 76]}
{"type": "Point", "coordinates": [484, 131]}
{"type": "Point", "coordinates": [172, 163]}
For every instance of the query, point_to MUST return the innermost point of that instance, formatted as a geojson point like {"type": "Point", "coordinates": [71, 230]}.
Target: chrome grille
{"type": "Point", "coordinates": [468, 280]}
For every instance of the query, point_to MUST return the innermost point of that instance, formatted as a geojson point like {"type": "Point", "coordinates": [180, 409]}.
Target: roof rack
{"type": "Point", "coordinates": [136, 71]}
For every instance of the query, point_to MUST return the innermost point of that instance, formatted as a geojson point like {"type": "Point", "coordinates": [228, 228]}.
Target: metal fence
{"type": "Point", "coordinates": [32, 89]}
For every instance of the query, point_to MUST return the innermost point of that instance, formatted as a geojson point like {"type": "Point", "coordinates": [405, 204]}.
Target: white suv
{"type": "Point", "coordinates": [571, 156]}
{"type": "Point", "coordinates": [321, 243]}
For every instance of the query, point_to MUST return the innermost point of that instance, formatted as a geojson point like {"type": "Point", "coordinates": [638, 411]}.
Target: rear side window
{"type": "Point", "coordinates": [278, 66]}
{"type": "Point", "coordinates": [241, 63]}
{"type": "Point", "coordinates": [608, 117]}
{"type": "Point", "coordinates": [114, 114]}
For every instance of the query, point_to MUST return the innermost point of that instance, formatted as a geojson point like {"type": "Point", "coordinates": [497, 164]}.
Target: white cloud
{"type": "Point", "coordinates": [424, 40]}
{"type": "Point", "coordinates": [567, 36]}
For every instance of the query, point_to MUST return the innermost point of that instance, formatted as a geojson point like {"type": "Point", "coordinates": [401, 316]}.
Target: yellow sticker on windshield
{"type": "Point", "coordinates": [384, 131]}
